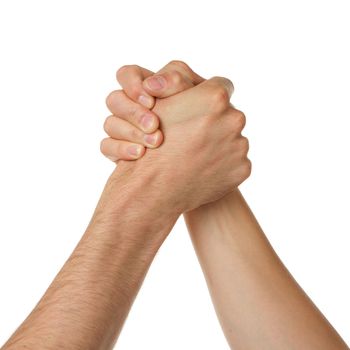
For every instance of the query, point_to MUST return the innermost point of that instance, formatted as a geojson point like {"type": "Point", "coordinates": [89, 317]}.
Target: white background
{"type": "Point", "coordinates": [289, 61]}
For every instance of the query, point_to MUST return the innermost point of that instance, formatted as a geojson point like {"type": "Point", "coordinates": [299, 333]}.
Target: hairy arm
{"type": "Point", "coordinates": [88, 301]}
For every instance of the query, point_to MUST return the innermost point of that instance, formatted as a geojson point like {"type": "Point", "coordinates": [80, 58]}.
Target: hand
{"type": "Point", "coordinates": [211, 158]}
{"type": "Point", "coordinates": [137, 130]}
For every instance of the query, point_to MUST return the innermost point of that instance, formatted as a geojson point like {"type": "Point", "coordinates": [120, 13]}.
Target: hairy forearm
{"type": "Point", "coordinates": [259, 304]}
{"type": "Point", "coordinates": [87, 303]}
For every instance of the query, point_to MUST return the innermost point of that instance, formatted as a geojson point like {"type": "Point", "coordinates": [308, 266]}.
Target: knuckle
{"type": "Point", "coordinates": [103, 146]}
{"type": "Point", "coordinates": [134, 116]}
{"type": "Point", "coordinates": [107, 124]}
{"type": "Point", "coordinates": [123, 70]}
{"type": "Point", "coordinates": [176, 77]}
{"type": "Point", "coordinates": [135, 134]}
{"type": "Point", "coordinates": [247, 169]}
{"type": "Point", "coordinates": [134, 91]}
{"type": "Point", "coordinates": [242, 173]}
{"type": "Point", "coordinates": [116, 149]}
{"type": "Point", "coordinates": [221, 89]}
{"type": "Point", "coordinates": [180, 64]}
{"type": "Point", "coordinates": [218, 80]}
{"type": "Point", "coordinates": [244, 145]}
{"type": "Point", "coordinates": [224, 81]}
{"type": "Point", "coordinates": [239, 120]}
{"type": "Point", "coordinates": [220, 98]}
{"type": "Point", "coordinates": [112, 98]}
{"type": "Point", "coordinates": [228, 83]}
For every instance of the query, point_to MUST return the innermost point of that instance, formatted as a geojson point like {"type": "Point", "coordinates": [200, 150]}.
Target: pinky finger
{"type": "Point", "coordinates": [121, 150]}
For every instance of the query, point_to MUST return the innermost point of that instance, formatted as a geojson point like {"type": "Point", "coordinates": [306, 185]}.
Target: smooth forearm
{"type": "Point", "coordinates": [259, 304]}
{"type": "Point", "coordinates": [87, 303]}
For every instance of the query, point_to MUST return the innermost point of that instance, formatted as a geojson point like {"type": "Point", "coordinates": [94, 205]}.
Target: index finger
{"type": "Point", "coordinates": [130, 77]}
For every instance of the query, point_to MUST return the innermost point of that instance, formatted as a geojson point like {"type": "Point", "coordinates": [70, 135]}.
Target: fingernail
{"type": "Point", "coordinates": [147, 122]}
{"type": "Point", "coordinates": [134, 151]}
{"type": "Point", "coordinates": [150, 140]}
{"type": "Point", "coordinates": [146, 101]}
{"type": "Point", "coordinates": [156, 82]}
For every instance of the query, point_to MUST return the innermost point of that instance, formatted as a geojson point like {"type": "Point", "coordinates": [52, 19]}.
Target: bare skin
{"type": "Point", "coordinates": [88, 301]}
{"type": "Point", "coordinates": [259, 304]}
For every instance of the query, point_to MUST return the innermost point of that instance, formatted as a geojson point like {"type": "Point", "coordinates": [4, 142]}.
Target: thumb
{"type": "Point", "coordinates": [175, 77]}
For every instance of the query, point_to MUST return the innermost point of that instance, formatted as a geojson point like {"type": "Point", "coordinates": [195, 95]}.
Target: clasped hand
{"type": "Point", "coordinates": [198, 149]}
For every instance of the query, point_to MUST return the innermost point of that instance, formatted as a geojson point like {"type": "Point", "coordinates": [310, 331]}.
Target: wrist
{"type": "Point", "coordinates": [133, 207]}
{"type": "Point", "coordinates": [215, 214]}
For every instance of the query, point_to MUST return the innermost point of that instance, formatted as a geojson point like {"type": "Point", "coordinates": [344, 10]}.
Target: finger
{"type": "Point", "coordinates": [175, 77]}
{"type": "Point", "coordinates": [120, 105]}
{"type": "Point", "coordinates": [167, 83]}
{"type": "Point", "coordinates": [130, 77]}
{"type": "Point", "coordinates": [234, 120]}
{"type": "Point", "coordinates": [117, 149]}
{"type": "Point", "coordinates": [120, 129]}
{"type": "Point", "coordinates": [211, 97]}
{"type": "Point", "coordinates": [222, 82]}
{"type": "Point", "coordinates": [183, 68]}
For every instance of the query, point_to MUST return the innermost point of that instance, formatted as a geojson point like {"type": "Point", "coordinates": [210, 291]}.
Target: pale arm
{"type": "Point", "coordinates": [259, 304]}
